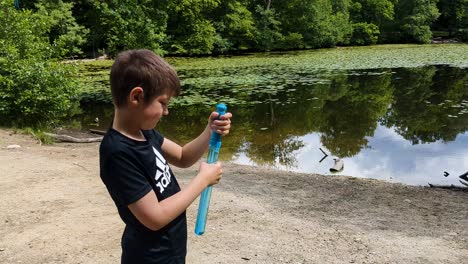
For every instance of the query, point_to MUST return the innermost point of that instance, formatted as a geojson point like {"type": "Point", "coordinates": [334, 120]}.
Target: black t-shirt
{"type": "Point", "coordinates": [130, 169]}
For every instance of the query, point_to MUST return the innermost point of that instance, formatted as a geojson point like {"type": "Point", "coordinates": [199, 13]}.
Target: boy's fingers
{"type": "Point", "coordinates": [226, 116]}
{"type": "Point", "coordinates": [222, 122]}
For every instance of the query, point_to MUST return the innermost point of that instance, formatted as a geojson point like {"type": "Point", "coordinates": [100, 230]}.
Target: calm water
{"type": "Point", "coordinates": [406, 125]}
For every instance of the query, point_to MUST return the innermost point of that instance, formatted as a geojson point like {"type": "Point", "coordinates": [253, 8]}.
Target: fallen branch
{"type": "Point", "coordinates": [96, 131]}
{"type": "Point", "coordinates": [451, 187]}
{"type": "Point", "coordinates": [65, 138]}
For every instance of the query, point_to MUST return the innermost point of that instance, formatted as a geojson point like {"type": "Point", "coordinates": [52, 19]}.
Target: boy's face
{"type": "Point", "coordinates": [153, 111]}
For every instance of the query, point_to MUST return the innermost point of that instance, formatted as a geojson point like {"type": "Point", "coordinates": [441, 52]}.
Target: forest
{"type": "Point", "coordinates": [202, 27]}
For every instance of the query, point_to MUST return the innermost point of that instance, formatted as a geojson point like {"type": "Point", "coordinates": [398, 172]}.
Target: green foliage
{"type": "Point", "coordinates": [462, 34]}
{"type": "Point", "coordinates": [65, 35]}
{"type": "Point", "coordinates": [268, 28]}
{"type": "Point", "coordinates": [190, 29]}
{"type": "Point", "coordinates": [35, 91]}
{"type": "Point", "coordinates": [415, 18]}
{"type": "Point", "coordinates": [122, 25]}
{"type": "Point", "coordinates": [364, 34]}
{"type": "Point", "coordinates": [372, 11]}
{"type": "Point", "coordinates": [23, 35]}
{"type": "Point", "coordinates": [322, 23]}
{"type": "Point", "coordinates": [200, 41]}
{"type": "Point", "coordinates": [202, 27]}
{"type": "Point", "coordinates": [235, 26]}
{"type": "Point", "coordinates": [454, 16]}
{"type": "Point", "coordinates": [292, 41]}
{"type": "Point", "coordinates": [38, 134]}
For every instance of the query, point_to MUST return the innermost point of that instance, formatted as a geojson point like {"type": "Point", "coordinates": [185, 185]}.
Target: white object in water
{"type": "Point", "coordinates": [338, 166]}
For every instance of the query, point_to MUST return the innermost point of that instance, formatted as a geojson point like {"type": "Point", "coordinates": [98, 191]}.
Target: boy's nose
{"type": "Point", "coordinates": [166, 111]}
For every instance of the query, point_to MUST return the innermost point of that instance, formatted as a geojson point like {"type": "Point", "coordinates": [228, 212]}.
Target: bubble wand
{"type": "Point", "coordinates": [215, 145]}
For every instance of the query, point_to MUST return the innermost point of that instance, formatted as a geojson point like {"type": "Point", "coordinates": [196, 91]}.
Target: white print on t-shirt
{"type": "Point", "coordinates": [163, 176]}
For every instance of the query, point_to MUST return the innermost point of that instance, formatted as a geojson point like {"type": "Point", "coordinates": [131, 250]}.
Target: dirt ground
{"type": "Point", "coordinates": [55, 209]}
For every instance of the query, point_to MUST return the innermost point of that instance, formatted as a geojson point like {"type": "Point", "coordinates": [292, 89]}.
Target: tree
{"type": "Point", "coordinates": [66, 35]}
{"type": "Point", "coordinates": [268, 28]}
{"type": "Point", "coordinates": [372, 11]}
{"type": "Point", "coordinates": [364, 34]}
{"type": "Point", "coordinates": [317, 23]}
{"type": "Point", "coordinates": [454, 15]}
{"type": "Point", "coordinates": [125, 24]}
{"type": "Point", "coordinates": [415, 18]}
{"type": "Point", "coordinates": [235, 26]}
{"type": "Point", "coordinates": [189, 27]}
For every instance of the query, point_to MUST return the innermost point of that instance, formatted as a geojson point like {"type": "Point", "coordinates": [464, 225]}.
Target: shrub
{"type": "Point", "coordinates": [34, 90]}
{"type": "Point", "coordinates": [37, 93]}
{"type": "Point", "coordinates": [364, 34]}
{"type": "Point", "coordinates": [462, 34]}
{"type": "Point", "coordinates": [292, 41]}
{"type": "Point", "coordinates": [420, 34]}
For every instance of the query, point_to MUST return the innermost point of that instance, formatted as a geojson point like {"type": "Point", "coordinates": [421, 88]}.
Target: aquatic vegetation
{"type": "Point", "coordinates": [251, 79]}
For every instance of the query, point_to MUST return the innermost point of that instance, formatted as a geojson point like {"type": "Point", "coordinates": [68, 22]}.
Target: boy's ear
{"type": "Point", "coordinates": [136, 96]}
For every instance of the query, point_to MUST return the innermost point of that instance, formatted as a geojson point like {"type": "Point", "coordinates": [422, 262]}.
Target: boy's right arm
{"type": "Point", "coordinates": [155, 215]}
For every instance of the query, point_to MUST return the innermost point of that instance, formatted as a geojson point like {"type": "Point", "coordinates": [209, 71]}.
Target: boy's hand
{"type": "Point", "coordinates": [220, 125]}
{"type": "Point", "coordinates": [210, 173]}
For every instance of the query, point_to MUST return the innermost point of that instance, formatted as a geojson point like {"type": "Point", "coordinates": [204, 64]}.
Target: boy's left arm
{"type": "Point", "coordinates": [191, 152]}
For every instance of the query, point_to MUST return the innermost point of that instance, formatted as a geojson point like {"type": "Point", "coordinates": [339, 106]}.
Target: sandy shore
{"type": "Point", "coordinates": [55, 209]}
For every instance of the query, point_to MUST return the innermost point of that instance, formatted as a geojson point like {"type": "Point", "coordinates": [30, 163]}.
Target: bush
{"type": "Point", "coordinates": [201, 40]}
{"type": "Point", "coordinates": [62, 29]}
{"type": "Point", "coordinates": [364, 34]}
{"type": "Point", "coordinates": [35, 91]}
{"type": "Point", "coordinates": [292, 41]}
{"type": "Point", "coordinates": [419, 34]}
{"type": "Point", "coordinates": [462, 34]}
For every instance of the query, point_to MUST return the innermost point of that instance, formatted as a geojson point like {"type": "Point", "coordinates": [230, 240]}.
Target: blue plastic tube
{"type": "Point", "coordinates": [215, 145]}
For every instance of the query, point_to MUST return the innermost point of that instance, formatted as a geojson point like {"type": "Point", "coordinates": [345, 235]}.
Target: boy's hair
{"type": "Point", "coordinates": [142, 68]}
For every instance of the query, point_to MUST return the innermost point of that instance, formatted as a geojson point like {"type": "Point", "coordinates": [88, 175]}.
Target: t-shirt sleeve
{"type": "Point", "coordinates": [125, 181]}
{"type": "Point", "coordinates": [159, 139]}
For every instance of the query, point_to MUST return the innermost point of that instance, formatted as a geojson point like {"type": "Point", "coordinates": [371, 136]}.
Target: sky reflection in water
{"type": "Point", "coordinates": [390, 158]}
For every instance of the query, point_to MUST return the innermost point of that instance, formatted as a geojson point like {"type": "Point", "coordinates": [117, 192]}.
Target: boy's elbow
{"type": "Point", "coordinates": [183, 163]}
{"type": "Point", "coordinates": [186, 164]}
{"type": "Point", "coordinates": [155, 225]}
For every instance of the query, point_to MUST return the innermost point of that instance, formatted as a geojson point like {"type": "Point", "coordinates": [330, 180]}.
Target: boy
{"type": "Point", "coordinates": [134, 160]}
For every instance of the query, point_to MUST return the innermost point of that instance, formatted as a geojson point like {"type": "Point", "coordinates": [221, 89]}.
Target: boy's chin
{"type": "Point", "coordinates": [149, 126]}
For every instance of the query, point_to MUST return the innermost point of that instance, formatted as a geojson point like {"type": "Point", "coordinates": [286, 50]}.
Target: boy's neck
{"type": "Point", "coordinates": [126, 125]}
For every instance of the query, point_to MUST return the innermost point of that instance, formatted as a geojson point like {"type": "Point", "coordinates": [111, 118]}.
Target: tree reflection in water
{"type": "Point", "coordinates": [422, 105]}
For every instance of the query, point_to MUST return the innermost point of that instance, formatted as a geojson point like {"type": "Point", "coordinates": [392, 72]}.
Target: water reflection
{"type": "Point", "coordinates": [405, 125]}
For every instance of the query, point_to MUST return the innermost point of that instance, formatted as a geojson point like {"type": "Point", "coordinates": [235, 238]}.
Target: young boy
{"type": "Point", "coordinates": [134, 160]}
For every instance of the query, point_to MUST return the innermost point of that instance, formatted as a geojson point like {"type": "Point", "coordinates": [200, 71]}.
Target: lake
{"type": "Point", "coordinates": [400, 117]}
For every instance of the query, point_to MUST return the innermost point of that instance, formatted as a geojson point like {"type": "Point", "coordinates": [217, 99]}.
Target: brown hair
{"type": "Point", "coordinates": [142, 68]}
